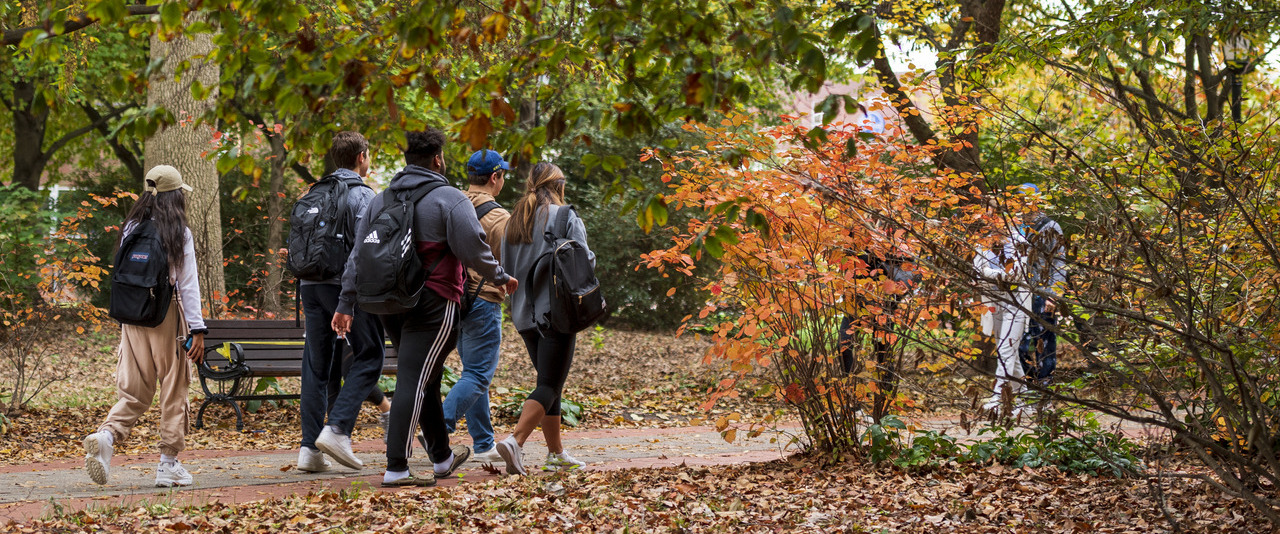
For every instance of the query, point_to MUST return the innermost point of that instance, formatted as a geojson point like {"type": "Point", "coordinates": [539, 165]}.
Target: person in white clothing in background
{"type": "Point", "coordinates": [1001, 272]}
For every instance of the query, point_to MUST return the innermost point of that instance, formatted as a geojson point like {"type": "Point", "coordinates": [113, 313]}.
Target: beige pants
{"type": "Point", "coordinates": [149, 356]}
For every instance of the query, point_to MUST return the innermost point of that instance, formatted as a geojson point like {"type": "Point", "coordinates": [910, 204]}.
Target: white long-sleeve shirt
{"type": "Point", "coordinates": [183, 277]}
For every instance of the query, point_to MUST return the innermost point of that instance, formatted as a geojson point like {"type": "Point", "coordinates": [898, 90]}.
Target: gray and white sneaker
{"type": "Point", "coordinates": [562, 462]}
{"type": "Point", "coordinates": [97, 456]}
{"type": "Point", "coordinates": [490, 456]}
{"type": "Point", "coordinates": [510, 452]}
{"type": "Point", "coordinates": [312, 460]}
{"type": "Point", "coordinates": [170, 475]}
{"type": "Point", "coordinates": [339, 447]}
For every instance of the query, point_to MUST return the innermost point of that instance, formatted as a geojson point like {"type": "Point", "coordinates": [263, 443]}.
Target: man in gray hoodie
{"type": "Point", "coordinates": [448, 240]}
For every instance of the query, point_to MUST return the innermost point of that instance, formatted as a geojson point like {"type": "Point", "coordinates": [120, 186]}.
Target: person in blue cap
{"type": "Point", "coordinates": [480, 331]}
{"type": "Point", "coordinates": [1046, 258]}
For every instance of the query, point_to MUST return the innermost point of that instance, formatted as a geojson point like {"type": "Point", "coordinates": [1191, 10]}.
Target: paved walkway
{"type": "Point", "coordinates": [33, 490]}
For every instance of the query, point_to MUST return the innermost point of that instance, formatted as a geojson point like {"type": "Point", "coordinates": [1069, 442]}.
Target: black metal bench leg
{"type": "Point", "coordinates": [239, 416]}
{"type": "Point", "coordinates": [200, 413]}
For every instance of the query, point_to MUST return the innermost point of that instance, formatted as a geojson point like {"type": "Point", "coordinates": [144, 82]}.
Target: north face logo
{"type": "Point", "coordinates": [372, 238]}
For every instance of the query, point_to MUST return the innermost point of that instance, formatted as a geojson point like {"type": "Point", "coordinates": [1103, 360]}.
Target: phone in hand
{"type": "Point", "coordinates": [186, 345]}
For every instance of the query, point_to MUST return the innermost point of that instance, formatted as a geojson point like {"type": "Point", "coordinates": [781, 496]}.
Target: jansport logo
{"type": "Point", "coordinates": [139, 257]}
{"type": "Point", "coordinates": [372, 238]}
{"type": "Point", "coordinates": [314, 209]}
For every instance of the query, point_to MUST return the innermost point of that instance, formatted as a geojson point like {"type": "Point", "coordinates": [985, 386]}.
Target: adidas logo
{"type": "Point", "coordinates": [372, 238]}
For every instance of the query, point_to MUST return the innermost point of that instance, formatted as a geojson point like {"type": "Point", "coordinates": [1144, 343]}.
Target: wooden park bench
{"type": "Point", "coordinates": [237, 352]}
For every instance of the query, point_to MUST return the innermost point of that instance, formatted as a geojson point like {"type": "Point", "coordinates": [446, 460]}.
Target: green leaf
{"type": "Point", "coordinates": [171, 15]}
{"type": "Point", "coordinates": [712, 244]}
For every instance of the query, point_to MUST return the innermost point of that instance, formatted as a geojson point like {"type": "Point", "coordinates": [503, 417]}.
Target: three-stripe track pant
{"type": "Point", "coordinates": [423, 337]}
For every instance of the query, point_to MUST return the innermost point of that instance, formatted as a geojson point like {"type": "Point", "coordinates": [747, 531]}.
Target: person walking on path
{"type": "Point", "coordinates": [1046, 257]}
{"type": "Point", "coordinates": [1001, 271]}
{"type": "Point", "coordinates": [448, 237]}
{"type": "Point", "coordinates": [480, 332]}
{"type": "Point", "coordinates": [551, 352]}
{"type": "Point", "coordinates": [322, 365]}
{"type": "Point", "coordinates": [151, 356]}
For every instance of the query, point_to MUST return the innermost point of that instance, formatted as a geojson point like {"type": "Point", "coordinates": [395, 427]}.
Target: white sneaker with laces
{"type": "Point", "coordinates": [339, 447]}
{"type": "Point", "coordinates": [562, 461]}
{"type": "Point", "coordinates": [510, 452]}
{"type": "Point", "coordinates": [490, 456]}
{"type": "Point", "coordinates": [312, 461]}
{"type": "Point", "coordinates": [170, 475]}
{"type": "Point", "coordinates": [97, 456]}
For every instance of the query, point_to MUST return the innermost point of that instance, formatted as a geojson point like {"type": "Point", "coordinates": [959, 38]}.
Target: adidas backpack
{"type": "Point", "coordinates": [140, 287]}
{"type": "Point", "coordinates": [319, 230]}
{"type": "Point", "coordinates": [390, 278]}
{"type": "Point", "coordinates": [576, 299]}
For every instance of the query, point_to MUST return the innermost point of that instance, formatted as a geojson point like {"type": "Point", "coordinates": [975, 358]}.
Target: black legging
{"type": "Point", "coordinates": [551, 355]}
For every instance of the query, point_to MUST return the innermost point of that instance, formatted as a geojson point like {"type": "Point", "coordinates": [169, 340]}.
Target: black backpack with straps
{"type": "Point", "coordinates": [140, 286]}
{"type": "Point", "coordinates": [390, 278]}
{"type": "Point", "coordinates": [320, 231]}
{"type": "Point", "coordinates": [576, 299]}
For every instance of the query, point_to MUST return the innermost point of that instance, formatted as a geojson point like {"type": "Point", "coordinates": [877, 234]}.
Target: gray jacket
{"type": "Point", "coordinates": [518, 258]}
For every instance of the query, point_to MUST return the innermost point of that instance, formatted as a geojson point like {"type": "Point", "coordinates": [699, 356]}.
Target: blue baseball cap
{"type": "Point", "coordinates": [486, 162]}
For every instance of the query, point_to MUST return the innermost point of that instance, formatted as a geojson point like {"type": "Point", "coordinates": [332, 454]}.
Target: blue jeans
{"type": "Point", "coordinates": [322, 364]}
{"type": "Point", "coordinates": [479, 341]}
{"type": "Point", "coordinates": [1038, 361]}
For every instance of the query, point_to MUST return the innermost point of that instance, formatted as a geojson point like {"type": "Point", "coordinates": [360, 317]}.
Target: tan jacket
{"type": "Point", "coordinates": [494, 224]}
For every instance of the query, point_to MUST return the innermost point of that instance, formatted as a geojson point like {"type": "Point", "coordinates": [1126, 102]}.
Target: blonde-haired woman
{"type": "Point", "coordinates": [551, 352]}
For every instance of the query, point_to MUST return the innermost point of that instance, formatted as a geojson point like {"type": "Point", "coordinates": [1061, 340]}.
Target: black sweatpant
{"type": "Point", "coordinates": [551, 355]}
{"type": "Point", "coordinates": [423, 337]}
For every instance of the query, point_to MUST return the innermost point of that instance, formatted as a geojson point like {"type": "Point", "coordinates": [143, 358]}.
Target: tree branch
{"type": "Point", "coordinates": [14, 36]}
{"type": "Point", "coordinates": [126, 156]}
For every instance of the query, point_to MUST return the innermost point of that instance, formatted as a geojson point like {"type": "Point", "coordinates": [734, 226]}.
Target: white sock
{"type": "Point", "coordinates": [166, 459]}
{"type": "Point", "coordinates": [392, 476]}
{"type": "Point", "coordinates": [443, 467]}
{"type": "Point", "coordinates": [111, 438]}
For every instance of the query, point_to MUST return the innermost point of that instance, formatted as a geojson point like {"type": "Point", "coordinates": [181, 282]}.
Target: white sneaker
{"type": "Point", "coordinates": [510, 452]}
{"type": "Point", "coordinates": [97, 456]}
{"type": "Point", "coordinates": [312, 461]}
{"type": "Point", "coordinates": [562, 462]}
{"type": "Point", "coordinates": [169, 475]}
{"type": "Point", "coordinates": [490, 456]}
{"type": "Point", "coordinates": [339, 447]}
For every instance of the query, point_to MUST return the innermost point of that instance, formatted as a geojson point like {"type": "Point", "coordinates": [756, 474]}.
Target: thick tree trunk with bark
{"type": "Point", "coordinates": [183, 145]}
{"type": "Point", "coordinates": [275, 225]}
{"type": "Point", "coordinates": [30, 116]}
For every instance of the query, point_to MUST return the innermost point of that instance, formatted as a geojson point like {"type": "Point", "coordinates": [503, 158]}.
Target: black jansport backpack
{"type": "Point", "coordinates": [140, 287]}
{"type": "Point", "coordinates": [319, 231]}
{"type": "Point", "coordinates": [576, 299]}
{"type": "Point", "coordinates": [389, 275]}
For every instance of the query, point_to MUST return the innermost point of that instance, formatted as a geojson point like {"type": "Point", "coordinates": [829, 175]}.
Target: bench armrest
{"type": "Point", "coordinates": [234, 368]}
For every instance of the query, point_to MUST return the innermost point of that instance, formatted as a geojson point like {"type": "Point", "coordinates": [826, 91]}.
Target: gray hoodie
{"type": "Point", "coordinates": [517, 258]}
{"type": "Point", "coordinates": [444, 223]}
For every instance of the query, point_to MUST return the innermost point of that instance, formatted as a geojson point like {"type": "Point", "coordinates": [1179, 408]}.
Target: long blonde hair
{"type": "Point", "coordinates": [544, 186]}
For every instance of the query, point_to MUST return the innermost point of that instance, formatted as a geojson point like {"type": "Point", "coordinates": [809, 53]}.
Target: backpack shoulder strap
{"type": "Point", "coordinates": [485, 208]}
{"type": "Point", "coordinates": [559, 229]}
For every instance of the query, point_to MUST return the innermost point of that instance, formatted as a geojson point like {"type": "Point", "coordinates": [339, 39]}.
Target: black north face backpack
{"type": "Point", "coordinates": [576, 299]}
{"type": "Point", "coordinates": [389, 274]}
{"type": "Point", "coordinates": [319, 231]}
{"type": "Point", "coordinates": [140, 287]}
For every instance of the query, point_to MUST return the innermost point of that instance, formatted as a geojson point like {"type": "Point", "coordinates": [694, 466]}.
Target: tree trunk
{"type": "Point", "coordinates": [275, 225]}
{"type": "Point", "coordinates": [182, 146]}
{"type": "Point", "coordinates": [30, 115]}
